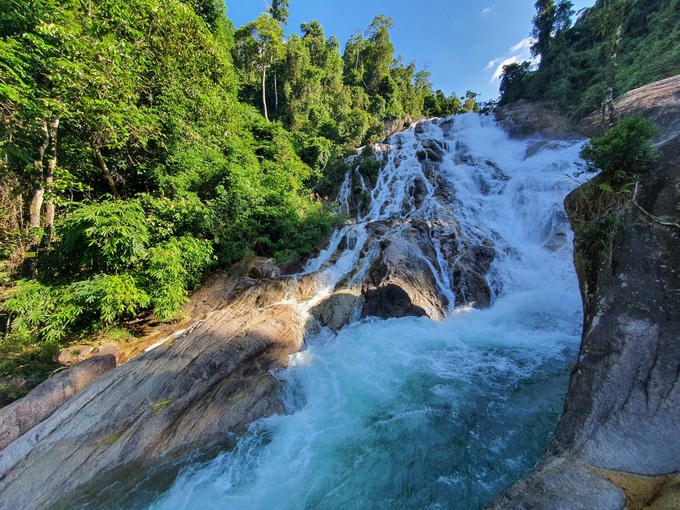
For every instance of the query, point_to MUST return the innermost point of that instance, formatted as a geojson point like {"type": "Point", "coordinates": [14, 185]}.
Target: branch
{"type": "Point", "coordinates": [649, 215]}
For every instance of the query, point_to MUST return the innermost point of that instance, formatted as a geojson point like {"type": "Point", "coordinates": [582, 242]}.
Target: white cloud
{"type": "Point", "coordinates": [493, 63]}
{"type": "Point", "coordinates": [488, 10]}
{"type": "Point", "coordinates": [499, 70]}
{"type": "Point", "coordinates": [523, 45]}
{"type": "Point", "coordinates": [516, 53]}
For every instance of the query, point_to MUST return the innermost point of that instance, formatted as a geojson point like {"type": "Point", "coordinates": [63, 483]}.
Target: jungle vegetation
{"type": "Point", "coordinates": [143, 143]}
{"type": "Point", "coordinates": [612, 47]}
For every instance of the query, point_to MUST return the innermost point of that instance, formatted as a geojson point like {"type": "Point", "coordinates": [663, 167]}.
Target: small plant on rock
{"type": "Point", "coordinates": [622, 152]}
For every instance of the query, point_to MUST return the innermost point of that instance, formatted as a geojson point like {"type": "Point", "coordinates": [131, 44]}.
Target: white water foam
{"type": "Point", "coordinates": [410, 413]}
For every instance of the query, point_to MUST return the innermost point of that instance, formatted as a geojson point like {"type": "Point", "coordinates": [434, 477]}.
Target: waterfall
{"type": "Point", "coordinates": [409, 412]}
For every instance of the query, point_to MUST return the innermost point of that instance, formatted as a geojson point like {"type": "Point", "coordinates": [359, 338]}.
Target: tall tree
{"type": "Point", "coordinates": [613, 16]}
{"type": "Point", "coordinates": [551, 18]}
{"type": "Point", "coordinates": [259, 45]}
{"type": "Point", "coordinates": [279, 10]}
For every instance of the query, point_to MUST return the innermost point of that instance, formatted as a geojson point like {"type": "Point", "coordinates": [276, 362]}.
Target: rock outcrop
{"type": "Point", "coordinates": [213, 380]}
{"type": "Point", "coordinates": [18, 418]}
{"type": "Point", "coordinates": [524, 118]}
{"type": "Point", "coordinates": [618, 442]}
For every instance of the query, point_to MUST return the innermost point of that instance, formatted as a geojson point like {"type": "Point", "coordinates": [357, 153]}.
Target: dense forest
{"type": "Point", "coordinates": [143, 143]}
{"type": "Point", "coordinates": [613, 47]}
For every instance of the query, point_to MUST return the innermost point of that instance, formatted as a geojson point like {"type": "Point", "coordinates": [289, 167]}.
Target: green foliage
{"type": "Point", "coordinates": [110, 297]}
{"type": "Point", "coordinates": [350, 99]}
{"type": "Point", "coordinates": [279, 10]}
{"type": "Point", "coordinates": [110, 236]}
{"type": "Point", "coordinates": [37, 310]}
{"type": "Point", "coordinates": [622, 152]}
{"type": "Point", "coordinates": [172, 268]}
{"type": "Point", "coordinates": [550, 20]}
{"type": "Point", "coordinates": [370, 167]}
{"type": "Point", "coordinates": [576, 60]}
{"type": "Point", "coordinates": [438, 105]}
{"type": "Point", "coordinates": [514, 81]}
{"type": "Point", "coordinates": [595, 236]}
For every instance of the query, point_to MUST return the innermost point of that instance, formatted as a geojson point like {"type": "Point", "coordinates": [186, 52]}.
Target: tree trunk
{"type": "Point", "coordinates": [276, 94]}
{"type": "Point", "coordinates": [264, 99]}
{"type": "Point", "coordinates": [35, 209]}
{"type": "Point", "coordinates": [617, 10]}
{"type": "Point", "coordinates": [38, 171]}
{"type": "Point", "coordinates": [107, 174]}
{"type": "Point", "coordinates": [609, 116]}
{"type": "Point", "coordinates": [53, 129]}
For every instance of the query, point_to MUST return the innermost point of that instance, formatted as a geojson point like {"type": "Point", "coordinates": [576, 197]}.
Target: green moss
{"type": "Point", "coordinates": [160, 406]}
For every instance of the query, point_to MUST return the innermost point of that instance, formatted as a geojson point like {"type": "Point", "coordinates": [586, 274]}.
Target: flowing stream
{"type": "Point", "coordinates": [409, 412]}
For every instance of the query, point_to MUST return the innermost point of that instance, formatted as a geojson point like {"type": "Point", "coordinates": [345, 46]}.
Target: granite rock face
{"type": "Point", "coordinates": [623, 405]}
{"type": "Point", "coordinates": [212, 380]}
{"type": "Point", "coordinates": [21, 416]}
{"type": "Point", "coordinates": [524, 118]}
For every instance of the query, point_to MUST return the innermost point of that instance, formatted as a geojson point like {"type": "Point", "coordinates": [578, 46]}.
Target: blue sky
{"type": "Point", "coordinates": [462, 43]}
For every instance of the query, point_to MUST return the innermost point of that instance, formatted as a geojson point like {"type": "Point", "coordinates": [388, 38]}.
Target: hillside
{"type": "Point", "coordinates": [613, 47]}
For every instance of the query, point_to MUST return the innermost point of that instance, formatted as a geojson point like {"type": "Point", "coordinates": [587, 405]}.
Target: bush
{"type": "Point", "coordinates": [109, 236]}
{"type": "Point", "coordinates": [622, 152]}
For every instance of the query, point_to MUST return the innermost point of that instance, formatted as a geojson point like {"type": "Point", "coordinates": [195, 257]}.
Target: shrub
{"type": "Point", "coordinates": [622, 152]}
{"type": "Point", "coordinates": [110, 236]}
{"type": "Point", "coordinates": [173, 269]}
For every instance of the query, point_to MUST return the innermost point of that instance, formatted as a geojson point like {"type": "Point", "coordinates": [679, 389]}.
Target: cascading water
{"type": "Point", "coordinates": [408, 412]}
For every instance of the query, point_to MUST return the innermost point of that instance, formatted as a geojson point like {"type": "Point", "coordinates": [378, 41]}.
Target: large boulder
{"type": "Point", "coordinates": [21, 416]}
{"type": "Point", "coordinates": [337, 310]}
{"type": "Point", "coordinates": [401, 281]}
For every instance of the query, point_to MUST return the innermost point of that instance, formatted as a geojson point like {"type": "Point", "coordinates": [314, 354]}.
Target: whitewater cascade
{"type": "Point", "coordinates": [408, 412]}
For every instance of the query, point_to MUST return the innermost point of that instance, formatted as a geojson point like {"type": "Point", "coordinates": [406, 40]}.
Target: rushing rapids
{"type": "Point", "coordinates": [460, 223]}
{"type": "Point", "coordinates": [452, 221]}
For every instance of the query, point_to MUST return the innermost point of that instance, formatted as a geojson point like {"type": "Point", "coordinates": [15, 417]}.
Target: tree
{"type": "Point", "coordinates": [622, 152]}
{"type": "Point", "coordinates": [259, 45]}
{"type": "Point", "coordinates": [513, 81]}
{"type": "Point", "coordinates": [551, 18]}
{"type": "Point", "coordinates": [378, 53]}
{"type": "Point", "coordinates": [470, 104]}
{"type": "Point", "coordinates": [613, 16]}
{"type": "Point", "coordinates": [279, 10]}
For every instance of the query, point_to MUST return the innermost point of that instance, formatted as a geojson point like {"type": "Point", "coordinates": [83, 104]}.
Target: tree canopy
{"type": "Point", "coordinates": [145, 142]}
{"type": "Point", "coordinates": [613, 47]}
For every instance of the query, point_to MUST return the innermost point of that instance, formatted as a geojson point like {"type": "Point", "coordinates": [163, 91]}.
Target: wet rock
{"type": "Point", "coordinates": [418, 192]}
{"type": "Point", "coordinates": [444, 192]}
{"type": "Point", "coordinates": [390, 300]}
{"type": "Point", "coordinates": [213, 380]}
{"type": "Point", "coordinates": [21, 416]}
{"type": "Point", "coordinates": [401, 281]}
{"type": "Point", "coordinates": [470, 263]}
{"type": "Point", "coordinates": [434, 150]}
{"type": "Point", "coordinates": [489, 178]}
{"type": "Point", "coordinates": [337, 310]}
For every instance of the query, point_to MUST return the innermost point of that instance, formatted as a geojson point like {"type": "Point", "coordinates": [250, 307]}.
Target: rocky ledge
{"type": "Point", "coordinates": [617, 444]}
